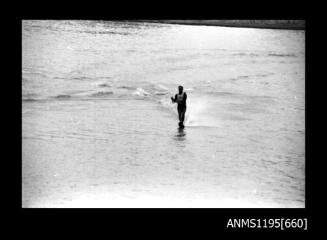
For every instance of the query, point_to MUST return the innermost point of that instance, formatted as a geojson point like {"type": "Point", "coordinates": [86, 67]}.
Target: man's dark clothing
{"type": "Point", "coordinates": [181, 105]}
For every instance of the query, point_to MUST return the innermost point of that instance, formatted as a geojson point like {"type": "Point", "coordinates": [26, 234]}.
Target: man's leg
{"type": "Point", "coordinates": [180, 115]}
{"type": "Point", "coordinates": [183, 115]}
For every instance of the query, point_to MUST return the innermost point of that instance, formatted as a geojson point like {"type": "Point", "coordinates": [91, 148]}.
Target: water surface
{"type": "Point", "coordinates": [99, 129]}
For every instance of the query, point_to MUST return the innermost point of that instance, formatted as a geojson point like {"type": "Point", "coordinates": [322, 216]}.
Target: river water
{"type": "Point", "coordinates": [99, 128]}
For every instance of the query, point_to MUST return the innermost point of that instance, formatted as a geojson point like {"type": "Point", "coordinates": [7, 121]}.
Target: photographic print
{"type": "Point", "coordinates": [163, 114]}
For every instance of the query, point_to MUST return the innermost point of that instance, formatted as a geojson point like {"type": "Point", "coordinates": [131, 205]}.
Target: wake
{"type": "Point", "coordinates": [198, 111]}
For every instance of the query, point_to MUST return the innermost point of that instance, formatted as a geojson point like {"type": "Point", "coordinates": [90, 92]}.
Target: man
{"type": "Point", "coordinates": [180, 99]}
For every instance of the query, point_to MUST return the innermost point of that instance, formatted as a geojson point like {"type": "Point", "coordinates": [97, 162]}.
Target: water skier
{"type": "Point", "coordinates": [180, 99]}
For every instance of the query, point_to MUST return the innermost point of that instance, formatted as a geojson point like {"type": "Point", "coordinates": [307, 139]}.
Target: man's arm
{"type": "Point", "coordinates": [185, 97]}
{"type": "Point", "coordinates": [174, 99]}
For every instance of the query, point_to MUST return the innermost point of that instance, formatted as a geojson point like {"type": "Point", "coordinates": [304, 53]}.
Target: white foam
{"type": "Point", "coordinates": [141, 92]}
{"type": "Point", "coordinates": [189, 89]}
{"type": "Point", "coordinates": [162, 87]}
{"type": "Point", "coordinates": [197, 113]}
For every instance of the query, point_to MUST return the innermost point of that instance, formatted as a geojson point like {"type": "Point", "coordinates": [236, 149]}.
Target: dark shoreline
{"type": "Point", "coordinates": [267, 24]}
